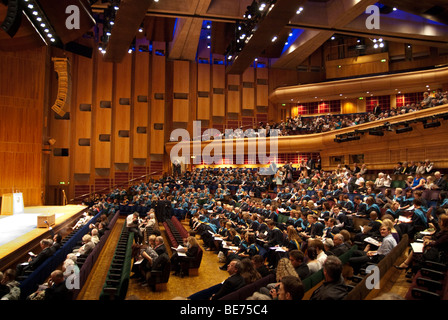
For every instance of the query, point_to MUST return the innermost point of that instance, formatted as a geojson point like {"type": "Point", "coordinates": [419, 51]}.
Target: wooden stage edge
{"type": "Point", "coordinates": [13, 250]}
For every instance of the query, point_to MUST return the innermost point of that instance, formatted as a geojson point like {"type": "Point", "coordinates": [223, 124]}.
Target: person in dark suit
{"type": "Point", "coordinates": [180, 262]}
{"type": "Point", "coordinates": [159, 245]}
{"type": "Point", "coordinates": [57, 290]}
{"type": "Point", "coordinates": [377, 110]}
{"type": "Point", "coordinates": [233, 282]}
{"type": "Point", "coordinates": [297, 259]}
{"type": "Point", "coordinates": [340, 247]}
{"type": "Point", "coordinates": [333, 288]}
{"type": "Point", "coordinates": [35, 261]}
{"type": "Point", "coordinates": [439, 181]}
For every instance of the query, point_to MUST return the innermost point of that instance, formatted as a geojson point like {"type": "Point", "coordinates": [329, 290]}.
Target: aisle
{"type": "Point", "coordinates": [95, 281]}
{"type": "Point", "coordinates": [209, 275]}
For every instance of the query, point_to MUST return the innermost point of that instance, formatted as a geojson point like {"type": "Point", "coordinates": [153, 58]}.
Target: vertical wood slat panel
{"type": "Point", "coordinates": [141, 115]}
{"type": "Point", "coordinates": [122, 114]}
{"type": "Point", "coordinates": [248, 93]}
{"type": "Point", "coordinates": [262, 96]}
{"type": "Point", "coordinates": [83, 130]}
{"type": "Point", "coordinates": [233, 96]}
{"type": "Point", "coordinates": [203, 77]}
{"type": "Point", "coordinates": [181, 85]}
{"type": "Point", "coordinates": [158, 76]}
{"type": "Point", "coordinates": [103, 116]}
{"type": "Point", "coordinates": [219, 83]}
{"type": "Point", "coordinates": [22, 79]}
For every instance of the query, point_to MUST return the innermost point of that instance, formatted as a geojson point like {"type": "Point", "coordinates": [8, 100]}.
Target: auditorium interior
{"type": "Point", "coordinates": [283, 108]}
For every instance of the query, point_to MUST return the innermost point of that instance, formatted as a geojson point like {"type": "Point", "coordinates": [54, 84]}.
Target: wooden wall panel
{"type": "Point", "coordinates": [203, 76]}
{"type": "Point", "coordinates": [349, 67]}
{"type": "Point", "coordinates": [158, 98]}
{"type": "Point", "coordinates": [218, 90]}
{"type": "Point", "coordinates": [262, 87]}
{"type": "Point", "coordinates": [181, 91]}
{"type": "Point", "coordinates": [22, 79]}
{"type": "Point", "coordinates": [103, 113]}
{"type": "Point", "coordinates": [141, 114]}
{"type": "Point", "coordinates": [82, 114]}
{"type": "Point", "coordinates": [122, 108]}
{"type": "Point", "coordinates": [203, 108]}
{"type": "Point", "coordinates": [233, 93]}
{"type": "Point", "coordinates": [248, 92]}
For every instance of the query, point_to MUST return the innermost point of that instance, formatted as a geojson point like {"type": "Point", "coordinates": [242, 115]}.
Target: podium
{"type": "Point", "coordinates": [12, 203]}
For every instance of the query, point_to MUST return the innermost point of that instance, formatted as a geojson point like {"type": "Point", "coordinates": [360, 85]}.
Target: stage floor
{"type": "Point", "coordinates": [18, 229]}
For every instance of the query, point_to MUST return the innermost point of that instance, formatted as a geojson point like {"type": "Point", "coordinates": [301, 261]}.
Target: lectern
{"type": "Point", "coordinates": [12, 203]}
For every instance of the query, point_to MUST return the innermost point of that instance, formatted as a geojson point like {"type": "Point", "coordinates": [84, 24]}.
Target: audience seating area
{"type": "Point", "coordinates": [360, 291]}
{"type": "Point", "coordinates": [117, 280]}
{"type": "Point", "coordinates": [32, 281]}
{"type": "Point", "coordinates": [89, 262]}
{"type": "Point", "coordinates": [429, 283]}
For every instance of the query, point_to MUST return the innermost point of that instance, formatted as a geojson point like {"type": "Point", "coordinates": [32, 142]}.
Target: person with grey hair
{"type": "Point", "coordinates": [339, 245]}
{"type": "Point", "coordinates": [9, 280]}
{"type": "Point", "coordinates": [334, 287]}
{"type": "Point", "coordinates": [233, 282]}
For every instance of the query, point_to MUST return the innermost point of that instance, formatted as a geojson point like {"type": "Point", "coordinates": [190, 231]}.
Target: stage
{"type": "Point", "coordinates": [20, 228]}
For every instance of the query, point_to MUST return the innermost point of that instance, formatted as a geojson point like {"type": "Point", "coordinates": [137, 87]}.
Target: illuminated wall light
{"type": "Point", "coordinates": [274, 39]}
{"type": "Point", "coordinates": [299, 10]}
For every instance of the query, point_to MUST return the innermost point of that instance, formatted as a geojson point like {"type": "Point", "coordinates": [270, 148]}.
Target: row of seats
{"type": "Point", "coordinates": [117, 279]}
{"type": "Point", "coordinates": [176, 232]}
{"type": "Point", "coordinates": [361, 290]}
{"type": "Point", "coordinates": [129, 209]}
{"type": "Point", "coordinates": [86, 263]}
{"type": "Point", "coordinates": [308, 283]}
{"type": "Point", "coordinates": [31, 283]}
{"type": "Point", "coordinates": [429, 283]}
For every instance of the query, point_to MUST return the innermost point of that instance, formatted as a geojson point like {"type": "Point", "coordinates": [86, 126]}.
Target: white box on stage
{"type": "Point", "coordinates": [12, 203]}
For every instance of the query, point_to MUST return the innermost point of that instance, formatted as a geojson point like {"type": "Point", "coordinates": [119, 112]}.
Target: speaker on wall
{"type": "Point", "coordinates": [13, 17]}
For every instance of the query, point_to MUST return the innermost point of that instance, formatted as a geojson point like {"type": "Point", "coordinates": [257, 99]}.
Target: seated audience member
{"type": "Point", "coordinates": [419, 182]}
{"type": "Point", "coordinates": [9, 280]}
{"type": "Point", "coordinates": [435, 247]}
{"type": "Point", "coordinates": [179, 261]}
{"type": "Point", "coordinates": [4, 289]}
{"type": "Point", "coordinates": [334, 287]}
{"type": "Point", "coordinates": [284, 268]}
{"type": "Point", "coordinates": [87, 246]}
{"type": "Point", "coordinates": [36, 260]}
{"type": "Point", "coordinates": [359, 258]}
{"type": "Point", "coordinates": [248, 271]}
{"type": "Point", "coordinates": [289, 288]}
{"type": "Point", "coordinates": [297, 259]}
{"type": "Point", "coordinates": [314, 265]}
{"type": "Point", "coordinates": [439, 181]}
{"type": "Point", "coordinates": [57, 238]}
{"type": "Point", "coordinates": [260, 266]}
{"type": "Point", "coordinates": [57, 289]}
{"type": "Point", "coordinates": [339, 247]}
{"type": "Point", "coordinates": [233, 282]}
